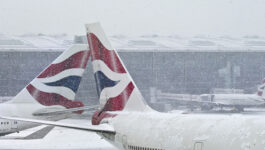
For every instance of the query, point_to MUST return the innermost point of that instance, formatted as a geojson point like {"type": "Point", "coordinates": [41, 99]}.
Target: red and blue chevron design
{"type": "Point", "coordinates": [111, 79]}
{"type": "Point", "coordinates": [59, 82]}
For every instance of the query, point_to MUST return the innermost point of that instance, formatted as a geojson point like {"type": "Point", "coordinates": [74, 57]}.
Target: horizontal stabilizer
{"type": "Point", "coordinates": [48, 112]}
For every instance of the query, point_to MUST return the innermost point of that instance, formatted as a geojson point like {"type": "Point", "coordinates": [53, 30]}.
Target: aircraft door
{"type": "Point", "coordinates": [14, 124]}
{"type": "Point", "coordinates": [198, 146]}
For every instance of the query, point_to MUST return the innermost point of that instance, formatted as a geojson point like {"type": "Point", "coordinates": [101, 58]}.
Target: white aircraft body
{"type": "Point", "coordinates": [209, 101]}
{"type": "Point", "coordinates": [235, 99]}
{"type": "Point", "coordinates": [49, 94]}
{"type": "Point", "coordinates": [126, 120]}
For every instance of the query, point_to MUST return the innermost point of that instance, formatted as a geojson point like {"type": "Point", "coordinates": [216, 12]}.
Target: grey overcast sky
{"type": "Point", "coordinates": [135, 17]}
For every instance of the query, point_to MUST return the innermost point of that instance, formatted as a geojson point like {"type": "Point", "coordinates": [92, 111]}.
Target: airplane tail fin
{"type": "Point", "coordinates": [116, 89]}
{"type": "Point", "coordinates": [59, 82]}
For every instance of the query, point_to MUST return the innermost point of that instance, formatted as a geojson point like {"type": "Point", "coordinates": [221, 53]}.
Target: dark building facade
{"type": "Point", "coordinates": [195, 72]}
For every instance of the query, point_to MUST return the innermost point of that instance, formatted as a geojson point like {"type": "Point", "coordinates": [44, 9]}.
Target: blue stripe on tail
{"type": "Point", "coordinates": [102, 81]}
{"type": "Point", "coordinates": [71, 82]}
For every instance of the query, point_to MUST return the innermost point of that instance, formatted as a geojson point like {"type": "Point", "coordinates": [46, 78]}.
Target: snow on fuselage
{"type": "Point", "coordinates": [156, 130]}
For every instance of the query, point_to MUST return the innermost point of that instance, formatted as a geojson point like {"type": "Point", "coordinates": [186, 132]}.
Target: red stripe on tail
{"type": "Point", "coordinates": [113, 104]}
{"type": "Point", "coordinates": [50, 99]}
{"type": "Point", "coordinates": [99, 52]}
{"type": "Point", "coordinates": [78, 60]}
{"type": "Point", "coordinates": [118, 103]}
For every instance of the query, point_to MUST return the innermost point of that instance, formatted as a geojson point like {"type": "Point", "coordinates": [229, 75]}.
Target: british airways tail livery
{"type": "Point", "coordinates": [59, 82]}
{"type": "Point", "coordinates": [116, 89]}
{"type": "Point", "coordinates": [52, 90]}
{"type": "Point", "coordinates": [126, 121]}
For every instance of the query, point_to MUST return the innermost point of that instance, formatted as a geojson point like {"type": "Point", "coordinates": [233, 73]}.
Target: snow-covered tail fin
{"type": "Point", "coordinates": [116, 89]}
{"type": "Point", "coordinates": [261, 89]}
{"type": "Point", "coordinates": [59, 82]}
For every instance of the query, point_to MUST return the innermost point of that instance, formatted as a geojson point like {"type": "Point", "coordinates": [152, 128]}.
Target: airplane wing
{"type": "Point", "coordinates": [45, 112]}
{"type": "Point", "coordinates": [103, 128]}
{"type": "Point", "coordinates": [39, 134]}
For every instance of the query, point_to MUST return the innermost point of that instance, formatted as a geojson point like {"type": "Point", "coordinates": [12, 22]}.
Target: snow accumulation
{"type": "Point", "coordinates": [140, 43]}
{"type": "Point", "coordinates": [35, 43]}
{"type": "Point", "coordinates": [58, 138]}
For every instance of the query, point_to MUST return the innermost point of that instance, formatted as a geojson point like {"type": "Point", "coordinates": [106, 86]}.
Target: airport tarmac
{"type": "Point", "coordinates": [57, 138]}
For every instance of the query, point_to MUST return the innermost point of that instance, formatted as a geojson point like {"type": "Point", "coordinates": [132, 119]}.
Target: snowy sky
{"type": "Point", "coordinates": [135, 17]}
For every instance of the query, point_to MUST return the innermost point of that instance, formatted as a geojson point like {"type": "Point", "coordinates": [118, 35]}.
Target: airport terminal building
{"type": "Point", "coordinates": [191, 65]}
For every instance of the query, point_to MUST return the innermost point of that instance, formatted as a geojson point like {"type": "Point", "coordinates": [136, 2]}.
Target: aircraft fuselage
{"type": "Point", "coordinates": [159, 131]}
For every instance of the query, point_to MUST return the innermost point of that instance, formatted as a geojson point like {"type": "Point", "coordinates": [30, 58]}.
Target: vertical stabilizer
{"type": "Point", "coordinates": [59, 82]}
{"type": "Point", "coordinates": [116, 89]}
